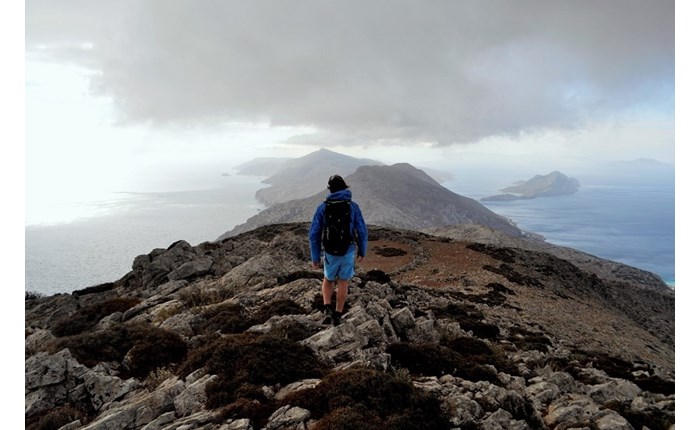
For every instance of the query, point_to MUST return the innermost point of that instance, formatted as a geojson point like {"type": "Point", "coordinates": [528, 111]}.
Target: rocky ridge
{"type": "Point", "coordinates": [398, 196]}
{"type": "Point", "coordinates": [438, 333]}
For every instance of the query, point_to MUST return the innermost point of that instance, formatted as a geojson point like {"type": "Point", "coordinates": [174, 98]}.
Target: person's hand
{"type": "Point", "coordinates": [315, 264]}
{"type": "Point", "coordinates": [359, 259]}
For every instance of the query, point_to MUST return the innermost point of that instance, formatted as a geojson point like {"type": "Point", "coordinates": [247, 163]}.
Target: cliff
{"type": "Point", "coordinates": [553, 184]}
{"type": "Point", "coordinates": [398, 196]}
{"type": "Point", "coordinates": [438, 333]}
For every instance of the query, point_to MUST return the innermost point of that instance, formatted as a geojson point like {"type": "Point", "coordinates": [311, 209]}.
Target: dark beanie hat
{"type": "Point", "coordinates": [336, 183]}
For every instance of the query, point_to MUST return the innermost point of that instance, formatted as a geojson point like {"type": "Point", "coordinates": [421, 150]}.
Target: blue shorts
{"type": "Point", "coordinates": [339, 266]}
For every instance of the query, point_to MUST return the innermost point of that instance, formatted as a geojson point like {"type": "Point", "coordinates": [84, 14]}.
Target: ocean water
{"type": "Point", "coordinates": [631, 224]}
{"type": "Point", "coordinates": [68, 256]}
{"type": "Point", "coordinates": [614, 220]}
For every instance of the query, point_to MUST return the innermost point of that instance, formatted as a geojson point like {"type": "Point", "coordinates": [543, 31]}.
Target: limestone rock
{"type": "Point", "coordinates": [616, 389]}
{"type": "Point", "coordinates": [193, 398]}
{"type": "Point", "coordinates": [296, 386]}
{"type": "Point", "coordinates": [287, 417]}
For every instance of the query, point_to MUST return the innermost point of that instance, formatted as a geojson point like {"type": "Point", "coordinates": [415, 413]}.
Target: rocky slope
{"type": "Point", "coordinates": [438, 334]}
{"type": "Point", "coordinates": [399, 196]}
{"type": "Point", "coordinates": [553, 184]}
{"type": "Point", "coordinates": [605, 269]}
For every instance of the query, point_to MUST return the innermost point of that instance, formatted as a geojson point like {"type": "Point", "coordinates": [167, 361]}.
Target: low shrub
{"type": "Point", "coordinates": [469, 319]}
{"type": "Point", "coordinates": [617, 368]}
{"type": "Point", "coordinates": [32, 295]}
{"type": "Point", "coordinates": [230, 318]}
{"type": "Point", "coordinates": [277, 307]}
{"type": "Point", "coordinates": [86, 318]}
{"type": "Point", "coordinates": [255, 410]}
{"type": "Point", "coordinates": [368, 399]}
{"type": "Point", "coordinates": [226, 318]}
{"type": "Point", "coordinates": [242, 360]}
{"type": "Point", "coordinates": [390, 252]}
{"type": "Point", "coordinates": [157, 377]}
{"type": "Point", "coordinates": [148, 347]}
{"type": "Point", "coordinates": [101, 288]}
{"type": "Point", "coordinates": [430, 359]}
{"type": "Point", "coordinates": [525, 339]}
{"type": "Point", "coordinates": [56, 418]}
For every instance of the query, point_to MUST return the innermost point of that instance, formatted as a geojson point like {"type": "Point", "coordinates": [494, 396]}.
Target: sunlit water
{"type": "Point", "coordinates": [101, 246]}
{"type": "Point", "coordinates": [100, 239]}
{"type": "Point", "coordinates": [634, 225]}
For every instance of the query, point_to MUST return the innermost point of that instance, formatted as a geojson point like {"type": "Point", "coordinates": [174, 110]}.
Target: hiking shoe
{"type": "Point", "coordinates": [328, 312]}
{"type": "Point", "coordinates": [336, 318]}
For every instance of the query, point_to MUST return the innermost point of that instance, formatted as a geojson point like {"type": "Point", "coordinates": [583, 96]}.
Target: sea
{"type": "Point", "coordinates": [631, 224]}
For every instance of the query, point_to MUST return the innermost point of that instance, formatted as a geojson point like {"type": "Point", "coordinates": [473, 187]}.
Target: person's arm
{"type": "Point", "coordinates": [361, 232]}
{"type": "Point", "coordinates": [315, 235]}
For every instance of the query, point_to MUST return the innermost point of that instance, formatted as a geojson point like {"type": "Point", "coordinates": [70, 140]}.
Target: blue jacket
{"type": "Point", "coordinates": [357, 226]}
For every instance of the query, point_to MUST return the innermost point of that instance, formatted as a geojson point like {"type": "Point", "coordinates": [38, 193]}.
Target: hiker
{"type": "Point", "coordinates": [339, 226]}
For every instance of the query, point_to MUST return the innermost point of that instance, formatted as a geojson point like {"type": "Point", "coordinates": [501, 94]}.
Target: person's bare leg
{"type": "Point", "coordinates": [342, 288]}
{"type": "Point", "coordinates": [327, 291]}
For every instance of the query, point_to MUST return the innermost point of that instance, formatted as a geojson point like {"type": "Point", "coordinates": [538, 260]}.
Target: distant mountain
{"type": "Point", "coordinates": [302, 177]}
{"type": "Point", "coordinates": [553, 184]}
{"type": "Point", "coordinates": [263, 166]}
{"type": "Point", "coordinates": [398, 196]}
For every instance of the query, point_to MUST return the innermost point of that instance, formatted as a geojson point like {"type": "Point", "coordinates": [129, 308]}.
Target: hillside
{"type": "Point", "coordinates": [399, 196]}
{"type": "Point", "coordinates": [302, 177]}
{"type": "Point", "coordinates": [553, 184]}
{"type": "Point", "coordinates": [438, 333]}
{"type": "Point", "coordinates": [605, 269]}
{"type": "Point", "coordinates": [263, 166]}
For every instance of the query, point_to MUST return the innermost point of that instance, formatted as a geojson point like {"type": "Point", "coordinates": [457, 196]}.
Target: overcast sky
{"type": "Point", "coordinates": [133, 85]}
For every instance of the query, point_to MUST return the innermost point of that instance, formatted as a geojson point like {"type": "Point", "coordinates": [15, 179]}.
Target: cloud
{"type": "Point", "coordinates": [364, 71]}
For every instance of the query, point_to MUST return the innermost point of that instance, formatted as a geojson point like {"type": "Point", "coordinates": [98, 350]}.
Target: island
{"type": "Point", "coordinates": [553, 184]}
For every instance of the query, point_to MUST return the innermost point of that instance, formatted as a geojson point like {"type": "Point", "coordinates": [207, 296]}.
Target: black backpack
{"type": "Point", "coordinates": [336, 227]}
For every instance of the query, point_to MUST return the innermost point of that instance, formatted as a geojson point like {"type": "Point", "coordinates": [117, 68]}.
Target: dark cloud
{"type": "Point", "coordinates": [444, 71]}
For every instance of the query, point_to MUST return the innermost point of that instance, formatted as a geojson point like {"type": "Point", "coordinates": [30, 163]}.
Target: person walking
{"type": "Point", "coordinates": [338, 229]}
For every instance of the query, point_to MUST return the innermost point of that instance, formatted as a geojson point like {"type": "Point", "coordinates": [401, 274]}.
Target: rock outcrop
{"type": "Point", "coordinates": [437, 334]}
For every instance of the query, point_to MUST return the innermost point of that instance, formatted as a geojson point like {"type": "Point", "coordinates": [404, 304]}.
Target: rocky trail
{"type": "Point", "coordinates": [437, 334]}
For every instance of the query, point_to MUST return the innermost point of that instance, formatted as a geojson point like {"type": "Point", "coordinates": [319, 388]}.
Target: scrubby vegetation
{"type": "Point", "coordinates": [369, 399]}
{"type": "Point", "coordinates": [32, 295]}
{"type": "Point", "coordinates": [245, 362]}
{"type": "Point", "coordinates": [528, 340]}
{"type": "Point", "coordinates": [430, 359]}
{"type": "Point", "coordinates": [148, 348]}
{"type": "Point", "coordinates": [639, 373]}
{"type": "Point", "coordinates": [86, 318]}
{"type": "Point", "coordinates": [58, 417]}
{"type": "Point", "coordinates": [469, 319]}
{"type": "Point", "coordinates": [101, 288]}
{"type": "Point", "coordinates": [229, 318]}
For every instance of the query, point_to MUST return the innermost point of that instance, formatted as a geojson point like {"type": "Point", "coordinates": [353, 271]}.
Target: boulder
{"type": "Point", "coordinates": [337, 342]}
{"type": "Point", "coordinates": [193, 398]}
{"type": "Point", "coordinates": [287, 417]}
{"type": "Point", "coordinates": [191, 269]}
{"type": "Point", "coordinates": [615, 390]}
